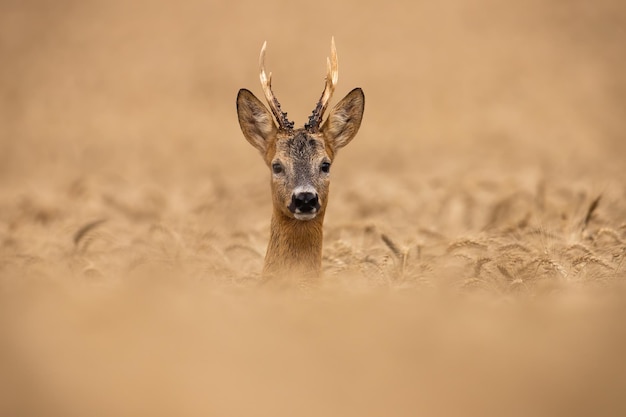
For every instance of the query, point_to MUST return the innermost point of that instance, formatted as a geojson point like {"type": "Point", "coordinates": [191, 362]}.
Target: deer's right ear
{"type": "Point", "coordinates": [255, 120]}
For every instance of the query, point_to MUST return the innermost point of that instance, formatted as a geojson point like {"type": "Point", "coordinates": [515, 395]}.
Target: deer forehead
{"type": "Point", "coordinates": [302, 146]}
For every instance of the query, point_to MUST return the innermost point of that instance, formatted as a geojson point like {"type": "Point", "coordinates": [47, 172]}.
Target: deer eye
{"type": "Point", "coordinates": [277, 168]}
{"type": "Point", "coordinates": [325, 167]}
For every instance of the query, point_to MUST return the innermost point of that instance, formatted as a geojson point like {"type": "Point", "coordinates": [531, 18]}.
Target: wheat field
{"type": "Point", "coordinates": [475, 237]}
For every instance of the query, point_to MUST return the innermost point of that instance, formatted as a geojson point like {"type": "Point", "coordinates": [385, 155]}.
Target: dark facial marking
{"type": "Point", "coordinates": [302, 146]}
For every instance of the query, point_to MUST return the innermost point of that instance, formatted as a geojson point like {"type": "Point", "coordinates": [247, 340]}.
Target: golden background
{"type": "Point", "coordinates": [468, 270]}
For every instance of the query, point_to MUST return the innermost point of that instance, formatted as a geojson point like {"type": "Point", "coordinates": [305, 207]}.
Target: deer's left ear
{"type": "Point", "coordinates": [344, 120]}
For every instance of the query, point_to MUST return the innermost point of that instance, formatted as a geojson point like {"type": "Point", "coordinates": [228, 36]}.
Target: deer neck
{"type": "Point", "coordinates": [295, 247]}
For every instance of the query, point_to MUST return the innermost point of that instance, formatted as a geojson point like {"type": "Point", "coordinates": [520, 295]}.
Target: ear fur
{"type": "Point", "coordinates": [256, 122]}
{"type": "Point", "coordinates": [344, 120]}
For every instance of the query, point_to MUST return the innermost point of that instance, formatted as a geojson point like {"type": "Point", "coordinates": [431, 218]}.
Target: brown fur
{"type": "Point", "coordinates": [295, 247]}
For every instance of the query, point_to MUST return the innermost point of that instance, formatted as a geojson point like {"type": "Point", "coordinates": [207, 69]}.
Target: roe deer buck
{"type": "Point", "coordinates": [299, 162]}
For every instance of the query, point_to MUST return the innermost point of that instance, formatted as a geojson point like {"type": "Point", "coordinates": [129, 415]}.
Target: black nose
{"type": "Point", "coordinates": [305, 202]}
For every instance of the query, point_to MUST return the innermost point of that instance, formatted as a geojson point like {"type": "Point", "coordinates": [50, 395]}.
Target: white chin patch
{"type": "Point", "coordinates": [304, 216]}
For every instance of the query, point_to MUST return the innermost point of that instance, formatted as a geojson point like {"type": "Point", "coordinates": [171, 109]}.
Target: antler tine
{"type": "Point", "coordinates": [332, 75]}
{"type": "Point", "coordinates": [266, 83]}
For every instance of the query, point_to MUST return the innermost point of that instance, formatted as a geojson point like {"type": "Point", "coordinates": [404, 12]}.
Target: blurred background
{"type": "Point", "coordinates": [148, 87]}
{"type": "Point", "coordinates": [134, 215]}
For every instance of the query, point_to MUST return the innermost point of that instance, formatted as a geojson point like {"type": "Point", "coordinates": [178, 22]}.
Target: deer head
{"type": "Point", "coordinates": [300, 159]}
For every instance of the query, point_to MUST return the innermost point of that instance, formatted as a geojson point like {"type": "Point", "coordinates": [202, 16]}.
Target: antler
{"type": "Point", "coordinates": [332, 75]}
{"type": "Point", "coordinates": [266, 83]}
